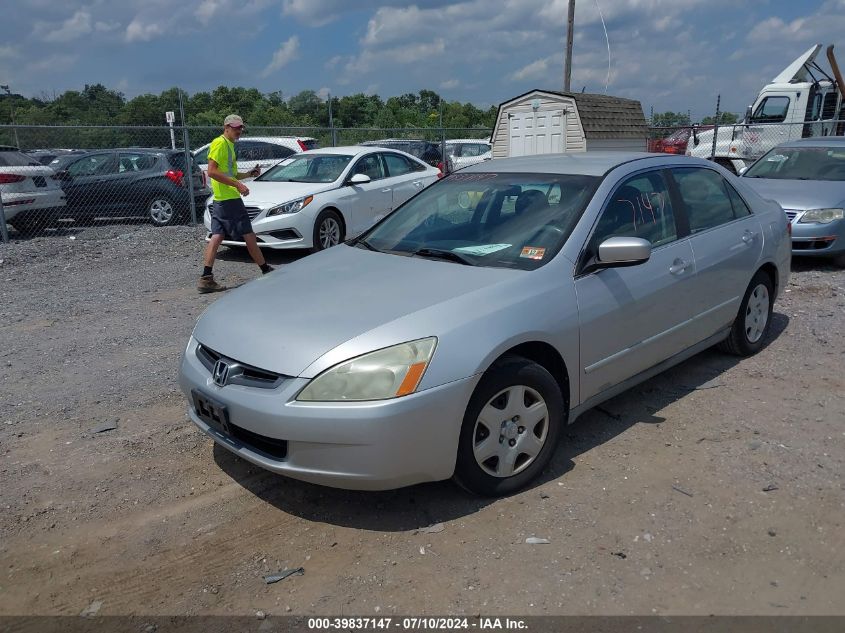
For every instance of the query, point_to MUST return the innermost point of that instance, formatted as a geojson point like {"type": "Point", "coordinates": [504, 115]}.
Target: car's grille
{"type": "Point", "coordinates": [821, 243]}
{"type": "Point", "coordinates": [246, 375]}
{"type": "Point", "coordinates": [253, 212]}
{"type": "Point", "coordinates": [268, 445]}
{"type": "Point", "coordinates": [791, 215]}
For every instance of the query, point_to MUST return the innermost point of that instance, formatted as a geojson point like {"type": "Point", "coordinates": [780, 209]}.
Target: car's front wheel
{"type": "Point", "coordinates": [752, 323]}
{"type": "Point", "coordinates": [328, 230]}
{"type": "Point", "coordinates": [161, 211]}
{"type": "Point", "coordinates": [510, 428]}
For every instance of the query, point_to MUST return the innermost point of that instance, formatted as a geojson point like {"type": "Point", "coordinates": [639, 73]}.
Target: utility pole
{"type": "Point", "coordinates": [567, 72]}
{"type": "Point", "coordinates": [8, 92]}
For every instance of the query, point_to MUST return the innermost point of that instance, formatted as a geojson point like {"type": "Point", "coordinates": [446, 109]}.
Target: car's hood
{"type": "Point", "coordinates": [269, 194]}
{"type": "Point", "coordinates": [286, 320]}
{"type": "Point", "coordinates": [799, 194]}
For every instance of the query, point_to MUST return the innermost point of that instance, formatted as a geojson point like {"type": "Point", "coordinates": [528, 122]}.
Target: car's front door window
{"type": "Point", "coordinates": [371, 166]}
{"type": "Point", "coordinates": [96, 164]}
{"type": "Point", "coordinates": [639, 207]}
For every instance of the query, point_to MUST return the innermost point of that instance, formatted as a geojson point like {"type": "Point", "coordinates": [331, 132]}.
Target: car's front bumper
{"type": "Point", "coordinates": [277, 232]}
{"type": "Point", "coordinates": [819, 240]}
{"type": "Point", "coordinates": [375, 445]}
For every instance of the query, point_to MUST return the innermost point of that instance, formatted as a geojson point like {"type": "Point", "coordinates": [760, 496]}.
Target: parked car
{"type": "Point", "coordinates": [464, 152]}
{"type": "Point", "coordinates": [261, 151]}
{"type": "Point", "coordinates": [458, 342]}
{"type": "Point", "coordinates": [125, 182]}
{"type": "Point", "coordinates": [318, 198]}
{"type": "Point", "coordinates": [807, 178]}
{"type": "Point", "coordinates": [426, 151]}
{"type": "Point", "coordinates": [28, 189]}
{"type": "Point", "coordinates": [677, 141]}
{"type": "Point", "coordinates": [47, 156]}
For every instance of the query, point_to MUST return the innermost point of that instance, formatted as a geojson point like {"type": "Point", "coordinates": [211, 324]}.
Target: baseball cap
{"type": "Point", "coordinates": [233, 120]}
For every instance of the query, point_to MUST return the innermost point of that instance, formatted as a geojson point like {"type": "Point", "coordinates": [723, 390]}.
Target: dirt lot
{"type": "Point", "coordinates": [714, 488]}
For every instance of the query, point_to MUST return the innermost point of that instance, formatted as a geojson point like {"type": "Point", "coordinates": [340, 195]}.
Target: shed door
{"type": "Point", "coordinates": [536, 132]}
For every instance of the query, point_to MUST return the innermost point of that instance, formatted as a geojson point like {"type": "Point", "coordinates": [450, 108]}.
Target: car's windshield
{"type": "Point", "coordinates": [308, 168]}
{"type": "Point", "coordinates": [487, 219]}
{"type": "Point", "coordinates": [800, 163]}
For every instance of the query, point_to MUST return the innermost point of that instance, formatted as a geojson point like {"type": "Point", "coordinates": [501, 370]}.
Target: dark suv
{"type": "Point", "coordinates": [150, 183]}
{"type": "Point", "coordinates": [426, 151]}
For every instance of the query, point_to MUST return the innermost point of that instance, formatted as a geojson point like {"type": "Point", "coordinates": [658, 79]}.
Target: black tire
{"type": "Point", "coordinates": [328, 230]}
{"type": "Point", "coordinates": [161, 211]}
{"type": "Point", "coordinates": [29, 226]}
{"type": "Point", "coordinates": [489, 477]}
{"type": "Point", "coordinates": [748, 334]}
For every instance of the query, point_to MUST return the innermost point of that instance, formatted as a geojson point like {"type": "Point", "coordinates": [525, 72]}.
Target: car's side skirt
{"type": "Point", "coordinates": [646, 374]}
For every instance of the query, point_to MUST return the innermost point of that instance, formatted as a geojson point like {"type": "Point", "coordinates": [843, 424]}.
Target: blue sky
{"type": "Point", "coordinates": [669, 54]}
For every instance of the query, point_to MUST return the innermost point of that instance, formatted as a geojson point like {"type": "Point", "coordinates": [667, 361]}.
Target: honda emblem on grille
{"type": "Point", "coordinates": [220, 373]}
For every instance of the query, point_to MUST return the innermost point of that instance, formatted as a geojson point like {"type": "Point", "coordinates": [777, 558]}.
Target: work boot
{"type": "Point", "coordinates": [207, 284]}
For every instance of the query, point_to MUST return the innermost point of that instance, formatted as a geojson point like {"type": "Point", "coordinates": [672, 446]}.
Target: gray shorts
{"type": "Point", "coordinates": [230, 219]}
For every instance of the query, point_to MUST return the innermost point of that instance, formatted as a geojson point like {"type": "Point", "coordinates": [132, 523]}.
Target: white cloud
{"type": "Point", "coordinates": [73, 28]}
{"type": "Point", "coordinates": [288, 51]}
{"type": "Point", "coordinates": [449, 84]}
{"type": "Point", "coordinates": [138, 31]}
{"type": "Point", "coordinates": [207, 9]}
{"type": "Point", "coordinates": [324, 93]}
{"type": "Point", "coordinates": [106, 27]}
{"type": "Point", "coordinates": [8, 52]}
{"type": "Point", "coordinates": [422, 52]}
{"type": "Point", "coordinates": [538, 70]}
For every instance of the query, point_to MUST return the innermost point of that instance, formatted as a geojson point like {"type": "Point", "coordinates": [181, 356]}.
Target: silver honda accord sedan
{"type": "Point", "coordinates": [460, 334]}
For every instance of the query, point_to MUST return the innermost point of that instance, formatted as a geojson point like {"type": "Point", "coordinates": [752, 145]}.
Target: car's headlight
{"type": "Point", "coordinates": [821, 216]}
{"type": "Point", "coordinates": [290, 207]}
{"type": "Point", "coordinates": [388, 373]}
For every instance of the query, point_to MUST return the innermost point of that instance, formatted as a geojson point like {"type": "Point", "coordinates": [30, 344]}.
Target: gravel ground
{"type": "Point", "coordinates": [716, 487]}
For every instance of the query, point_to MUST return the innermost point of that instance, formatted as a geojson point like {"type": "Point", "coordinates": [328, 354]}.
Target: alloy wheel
{"type": "Point", "coordinates": [161, 211]}
{"type": "Point", "coordinates": [329, 233]}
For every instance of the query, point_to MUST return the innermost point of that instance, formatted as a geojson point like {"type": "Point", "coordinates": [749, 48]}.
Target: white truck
{"type": "Point", "coordinates": [802, 101]}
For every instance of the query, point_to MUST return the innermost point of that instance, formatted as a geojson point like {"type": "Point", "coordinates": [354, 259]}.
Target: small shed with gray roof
{"type": "Point", "coordinates": [550, 122]}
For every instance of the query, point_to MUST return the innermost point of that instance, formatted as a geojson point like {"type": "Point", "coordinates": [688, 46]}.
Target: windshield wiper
{"type": "Point", "coordinates": [436, 253]}
{"type": "Point", "coordinates": [366, 244]}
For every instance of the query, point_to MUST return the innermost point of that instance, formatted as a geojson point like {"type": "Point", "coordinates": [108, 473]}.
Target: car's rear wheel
{"type": "Point", "coordinates": [29, 225]}
{"type": "Point", "coordinates": [510, 428]}
{"type": "Point", "coordinates": [752, 323]}
{"type": "Point", "coordinates": [328, 230]}
{"type": "Point", "coordinates": [161, 211]}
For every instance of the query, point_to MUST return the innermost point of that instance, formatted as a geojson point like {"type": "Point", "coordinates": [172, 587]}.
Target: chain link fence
{"type": "Point", "coordinates": [53, 176]}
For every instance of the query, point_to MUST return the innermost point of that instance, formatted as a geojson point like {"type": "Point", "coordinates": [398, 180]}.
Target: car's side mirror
{"type": "Point", "coordinates": [748, 114]}
{"type": "Point", "coordinates": [623, 251]}
{"type": "Point", "coordinates": [64, 174]}
{"type": "Point", "coordinates": [695, 137]}
{"type": "Point", "coordinates": [742, 170]}
{"type": "Point", "coordinates": [359, 179]}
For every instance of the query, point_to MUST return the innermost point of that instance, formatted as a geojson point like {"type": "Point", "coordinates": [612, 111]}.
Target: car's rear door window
{"type": "Point", "coordinates": [95, 164]}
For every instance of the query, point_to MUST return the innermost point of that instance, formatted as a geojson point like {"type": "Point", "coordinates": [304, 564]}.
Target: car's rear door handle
{"type": "Point", "coordinates": [678, 266]}
{"type": "Point", "coordinates": [748, 237]}
{"type": "Point", "coordinates": [417, 183]}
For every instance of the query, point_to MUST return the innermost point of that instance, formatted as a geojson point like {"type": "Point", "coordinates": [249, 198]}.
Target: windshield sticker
{"type": "Point", "coordinates": [483, 249]}
{"type": "Point", "coordinates": [533, 252]}
{"type": "Point", "coordinates": [776, 158]}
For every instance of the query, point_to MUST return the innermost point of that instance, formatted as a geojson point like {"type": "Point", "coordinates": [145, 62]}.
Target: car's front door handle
{"type": "Point", "coordinates": [749, 236]}
{"type": "Point", "coordinates": [388, 190]}
{"type": "Point", "coordinates": [417, 183]}
{"type": "Point", "coordinates": [678, 266]}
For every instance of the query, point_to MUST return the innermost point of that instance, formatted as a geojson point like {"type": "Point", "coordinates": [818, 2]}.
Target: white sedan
{"type": "Point", "coordinates": [321, 197]}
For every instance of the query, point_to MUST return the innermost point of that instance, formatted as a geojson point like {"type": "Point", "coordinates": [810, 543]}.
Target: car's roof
{"type": "Point", "coordinates": [467, 140]}
{"type": "Point", "coordinates": [579, 163]}
{"type": "Point", "coordinates": [396, 140]}
{"type": "Point", "coordinates": [816, 141]}
{"type": "Point", "coordinates": [350, 150]}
